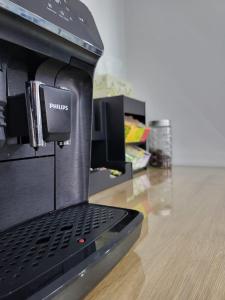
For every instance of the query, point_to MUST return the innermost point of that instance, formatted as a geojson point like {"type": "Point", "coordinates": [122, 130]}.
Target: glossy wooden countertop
{"type": "Point", "coordinates": [181, 252]}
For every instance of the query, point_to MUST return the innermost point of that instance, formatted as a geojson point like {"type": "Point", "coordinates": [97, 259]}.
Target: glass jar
{"type": "Point", "coordinates": [161, 144]}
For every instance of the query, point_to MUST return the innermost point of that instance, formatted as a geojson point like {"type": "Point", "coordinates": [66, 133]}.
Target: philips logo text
{"type": "Point", "coordinates": [58, 106]}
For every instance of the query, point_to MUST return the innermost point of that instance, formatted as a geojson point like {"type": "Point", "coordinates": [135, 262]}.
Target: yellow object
{"type": "Point", "coordinates": [134, 130]}
{"type": "Point", "coordinates": [135, 134]}
{"type": "Point", "coordinates": [127, 130]}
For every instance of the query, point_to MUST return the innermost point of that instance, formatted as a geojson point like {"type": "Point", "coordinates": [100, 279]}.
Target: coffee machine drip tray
{"type": "Point", "coordinates": [36, 253]}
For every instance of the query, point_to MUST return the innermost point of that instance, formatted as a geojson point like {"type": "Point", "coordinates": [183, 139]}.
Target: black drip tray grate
{"type": "Point", "coordinates": [43, 245]}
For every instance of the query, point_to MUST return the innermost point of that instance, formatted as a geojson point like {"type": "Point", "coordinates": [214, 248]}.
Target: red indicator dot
{"type": "Point", "coordinates": [81, 241]}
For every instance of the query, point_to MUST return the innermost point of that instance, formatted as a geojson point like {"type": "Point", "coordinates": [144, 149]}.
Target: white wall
{"type": "Point", "coordinates": [109, 17]}
{"type": "Point", "coordinates": [176, 62]}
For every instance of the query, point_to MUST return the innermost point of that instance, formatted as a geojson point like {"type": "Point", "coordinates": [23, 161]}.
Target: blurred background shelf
{"type": "Point", "coordinates": [101, 180]}
{"type": "Point", "coordinates": [108, 140]}
{"type": "Point", "coordinates": [136, 109]}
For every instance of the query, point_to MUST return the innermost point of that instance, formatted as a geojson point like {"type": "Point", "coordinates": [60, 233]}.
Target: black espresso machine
{"type": "Point", "coordinates": [53, 243]}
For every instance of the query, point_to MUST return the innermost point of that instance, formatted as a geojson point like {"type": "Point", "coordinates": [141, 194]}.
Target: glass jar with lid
{"type": "Point", "coordinates": [161, 144]}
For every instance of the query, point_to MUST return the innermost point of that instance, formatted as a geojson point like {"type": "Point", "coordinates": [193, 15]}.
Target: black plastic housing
{"type": "Point", "coordinates": [63, 246]}
{"type": "Point", "coordinates": [56, 107]}
{"type": "Point", "coordinates": [44, 209]}
{"type": "Point", "coordinates": [2, 104]}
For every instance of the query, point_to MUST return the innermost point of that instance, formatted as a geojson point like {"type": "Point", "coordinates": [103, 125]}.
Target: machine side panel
{"type": "Point", "coordinates": [74, 161]}
{"type": "Point", "coordinates": [27, 190]}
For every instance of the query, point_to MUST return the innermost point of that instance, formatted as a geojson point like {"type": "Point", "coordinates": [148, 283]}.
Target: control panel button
{"type": "Point", "coordinates": [81, 241]}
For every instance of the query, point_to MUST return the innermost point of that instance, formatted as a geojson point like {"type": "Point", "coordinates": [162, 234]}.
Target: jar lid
{"type": "Point", "coordinates": [160, 123]}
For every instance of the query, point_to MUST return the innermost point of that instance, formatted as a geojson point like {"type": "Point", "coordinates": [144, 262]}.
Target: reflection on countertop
{"type": "Point", "coordinates": [149, 192]}
{"type": "Point", "coordinates": [180, 254]}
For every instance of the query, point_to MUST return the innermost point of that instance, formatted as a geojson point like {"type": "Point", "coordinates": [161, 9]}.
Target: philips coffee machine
{"type": "Point", "coordinates": [52, 241]}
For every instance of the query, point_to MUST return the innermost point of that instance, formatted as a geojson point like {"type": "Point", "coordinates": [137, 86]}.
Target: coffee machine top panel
{"type": "Point", "coordinates": [69, 19]}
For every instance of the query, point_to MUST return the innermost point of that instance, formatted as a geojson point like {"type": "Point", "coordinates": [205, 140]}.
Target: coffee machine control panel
{"type": "Point", "coordinates": [67, 18]}
{"type": "Point", "coordinates": [62, 9]}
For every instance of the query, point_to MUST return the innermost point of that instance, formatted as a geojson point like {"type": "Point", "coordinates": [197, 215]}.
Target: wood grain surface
{"type": "Point", "coordinates": [181, 252]}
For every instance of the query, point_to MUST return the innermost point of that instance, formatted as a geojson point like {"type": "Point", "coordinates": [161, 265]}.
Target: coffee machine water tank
{"type": "Point", "coordinates": [53, 242]}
